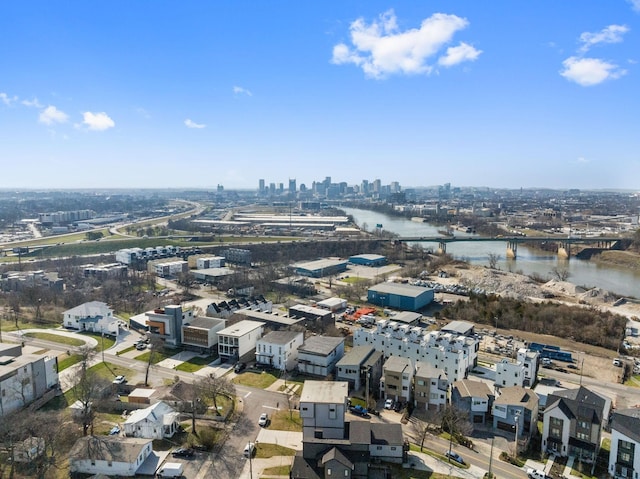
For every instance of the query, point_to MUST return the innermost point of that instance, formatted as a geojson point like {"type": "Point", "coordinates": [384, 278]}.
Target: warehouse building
{"type": "Point", "coordinates": [400, 296]}
{"type": "Point", "coordinates": [320, 268]}
{"type": "Point", "coordinates": [372, 260]}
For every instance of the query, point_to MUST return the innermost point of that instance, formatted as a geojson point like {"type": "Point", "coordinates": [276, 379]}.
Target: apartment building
{"type": "Point", "coordinates": [279, 349]}
{"type": "Point", "coordinates": [397, 379]}
{"type": "Point", "coordinates": [430, 387]}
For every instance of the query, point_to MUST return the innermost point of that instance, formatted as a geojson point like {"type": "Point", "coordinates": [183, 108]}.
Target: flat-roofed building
{"type": "Point", "coordinates": [430, 387]}
{"type": "Point", "coordinates": [202, 333]}
{"type": "Point", "coordinates": [166, 323]}
{"type": "Point", "coordinates": [400, 296]}
{"type": "Point", "coordinates": [239, 340]}
{"type": "Point", "coordinates": [368, 260]}
{"type": "Point", "coordinates": [279, 349]}
{"type": "Point", "coordinates": [314, 316]}
{"type": "Point", "coordinates": [332, 304]}
{"type": "Point", "coordinates": [321, 268]}
{"type": "Point", "coordinates": [319, 354]}
{"type": "Point", "coordinates": [463, 328]}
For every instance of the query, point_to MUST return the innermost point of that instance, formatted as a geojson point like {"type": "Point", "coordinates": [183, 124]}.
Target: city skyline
{"type": "Point", "coordinates": [160, 95]}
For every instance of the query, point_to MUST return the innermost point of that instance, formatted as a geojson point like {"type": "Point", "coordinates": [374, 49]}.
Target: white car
{"type": "Point", "coordinates": [388, 404]}
{"type": "Point", "coordinates": [249, 449]}
{"type": "Point", "coordinates": [119, 380]}
{"type": "Point", "coordinates": [264, 419]}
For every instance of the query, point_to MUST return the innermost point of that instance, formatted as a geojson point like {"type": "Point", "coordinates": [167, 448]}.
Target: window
{"type": "Point", "coordinates": [109, 464]}
{"type": "Point", "coordinates": [346, 473]}
{"type": "Point", "coordinates": [328, 471]}
{"type": "Point", "coordinates": [626, 452]}
{"type": "Point", "coordinates": [393, 448]}
{"type": "Point", "coordinates": [420, 382]}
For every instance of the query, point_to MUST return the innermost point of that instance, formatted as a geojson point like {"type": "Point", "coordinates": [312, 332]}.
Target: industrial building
{"type": "Point", "coordinates": [400, 296]}
{"type": "Point", "coordinates": [372, 260]}
{"type": "Point", "coordinates": [320, 268]}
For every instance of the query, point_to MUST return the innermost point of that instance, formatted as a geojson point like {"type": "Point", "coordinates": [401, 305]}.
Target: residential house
{"type": "Point", "coordinates": [166, 323]}
{"type": "Point", "coordinates": [109, 455]}
{"type": "Point", "coordinates": [201, 333]}
{"type": "Point", "coordinates": [473, 397]}
{"type": "Point", "coordinates": [430, 388]}
{"type": "Point", "coordinates": [238, 341]}
{"type": "Point", "coordinates": [94, 316]}
{"type": "Point", "coordinates": [26, 375]}
{"type": "Point", "coordinates": [516, 410]}
{"type": "Point", "coordinates": [624, 457]}
{"type": "Point", "coordinates": [573, 422]}
{"type": "Point", "coordinates": [397, 379]}
{"type": "Point", "coordinates": [361, 365]}
{"type": "Point", "coordinates": [279, 349]}
{"type": "Point", "coordinates": [530, 360]}
{"type": "Point", "coordinates": [318, 355]}
{"type": "Point", "coordinates": [334, 447]}
{"type": "Point", "coordinates": [509, 374]}
{"type": "Point", "coordinates": [158, 421]}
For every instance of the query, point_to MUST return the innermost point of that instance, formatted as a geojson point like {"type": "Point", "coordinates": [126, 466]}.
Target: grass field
{"type": "Point", "coordinates": [277, 471]}
{"type": "Point", "coordinates": [56, 338]}
{"type": "Point", "coordinates": [157, 356]}
{"type": "Point", "coordinates": [195, 364]}
{"type": "Point", "coordinates": [285, 421]}
{"type": "Point", "coordinates": [269, 450]}
{"type": "Point", "coordinates": [255, 380]}
{"type": "Point", "coordinates": [68, 360]}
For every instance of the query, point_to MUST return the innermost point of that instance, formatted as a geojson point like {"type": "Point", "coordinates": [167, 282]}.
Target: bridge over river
{"type": "Point", "coordinates": [564, 243]}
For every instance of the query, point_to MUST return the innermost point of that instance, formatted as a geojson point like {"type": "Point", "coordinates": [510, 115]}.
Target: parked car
{"type": "Point", "coordinates": [535, 474]}
{"type": "Point", "coordinates": [239, 367]}
{"type": "Point", "coordinates": [572, 366]}
{"type": "Point", "coordinates": [397, 406]}
{"type": "Point", "coordinates": [183, 452]}
{"type": "Point", "coordinates": [249, 449]}
{"type": "Point", "coordinates": [141, 346]}
{"type": "Point", "coordinates": [264, 420]}
{"type": "Point", "coordinates": [115, 430]}
{"type": "Point", "coordinates": [388, 404]}
{"type": "Point", "coordinates": [119, 380]}
{"type": "Point", "coordinates": [454, 457]}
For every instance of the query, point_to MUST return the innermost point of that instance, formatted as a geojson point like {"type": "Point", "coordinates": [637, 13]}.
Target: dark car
{"type": "Point", "coordinates": [454, 457]}
{"type": "Point", "coordinates": [239, 367]}
{"type": "Point", "coordinates": [183, 452]}
{"type": "Point", "coordinates": [397, 407]}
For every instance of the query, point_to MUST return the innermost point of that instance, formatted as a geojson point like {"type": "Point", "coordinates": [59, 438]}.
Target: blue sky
{"type": "Point", "coordinates": [199, 93]}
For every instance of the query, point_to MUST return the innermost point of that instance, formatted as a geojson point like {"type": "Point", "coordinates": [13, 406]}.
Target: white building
{"type": "Point", "coordinates": [157, 421]}
{"type": "Point", "coordinates": [318, 355]}
{"type": "Point", "coordinates": [624, 457]}
{"type": "Point", "coordinates": [170, 268]}
{"type": "Point", "coordinates": [235, 341]}
{"type": "Point", "coordinates": [93, 316]}
{"type": "Point", "coordinates": [129, 255]}
{"type": "Point", "coordinates": [332, 304]}
{"type": "Point", "coordinates": [279, 349]}
{"type": "Point", "coordinates": [210, 262]}
{"type": "Point", "coordinates": [24, 377]}
{"type": "Point", "coordinates": [530, 361]}
{"type": "Point", "coordinates": [202, 333]}
{"type": "Point", "coordinates": [430, 387]}
{"type": "Point", "coordinates": [509, 373]}
{"type": "Point", "coordinates": [109, 455]}
{"type": "Point", "coordinates": [453, 353]}
{"type": "Point", "coordinates": [322, 407]}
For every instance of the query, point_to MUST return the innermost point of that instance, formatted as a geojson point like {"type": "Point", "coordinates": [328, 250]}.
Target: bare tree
{"type": "Point", "coordinates": [87, 389]}
{"type": "Point", "coordinates": [155, 346]}
{"type": "Point", "coordinates": [456, 423]}
{"type": "Point", "coordinates": [561, 274]}
{"type": "Point", "coordinates": [493, 259]}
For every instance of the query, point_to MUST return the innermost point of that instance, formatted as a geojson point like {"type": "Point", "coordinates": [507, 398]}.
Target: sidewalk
{"type": "Point", "coordinates": [425, 462]}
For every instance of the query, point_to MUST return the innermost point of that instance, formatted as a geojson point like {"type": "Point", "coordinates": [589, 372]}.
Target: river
{"type": "Point", "coordinates": [581, 272]}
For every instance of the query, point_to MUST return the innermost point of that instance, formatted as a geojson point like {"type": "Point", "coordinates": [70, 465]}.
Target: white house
{"type": "Point", "coordinates": [319, 354]}
{"type": "Point", "coordinates": [509, 374]}
{"type": "Point", "coordinates": [93, 316]}
{"type": "Point", "coordinates": [109, 455]}
{"type": "Point", "coordinates": [624, 458]}
{"type": "Point", "coordinates": [279, 349]}
{"type": "Point", "coordinates": [530, 360]}
{"type": "Point", "coordinates": [239, 339]}
{"type": "Point", "coordinates": [157, 421]}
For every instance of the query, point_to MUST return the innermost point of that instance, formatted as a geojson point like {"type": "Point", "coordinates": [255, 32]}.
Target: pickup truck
{"type": "Point", "coordinates": [359, 411]}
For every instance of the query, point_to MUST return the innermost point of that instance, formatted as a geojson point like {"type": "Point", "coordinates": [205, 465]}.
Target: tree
{"type": "Point", "coordinates": [87, 388]}
{"type": "Point", "coordinates": [560, 273]}
{"type": "Point", "coordinates": [493, 260]}
{"type": "Point", "coordinates": [456, 423]}
{"type": "Point", "coordinates": [94, 235]}
{"type": "Point", "coordinates": [155, 346]}
{"type": "Point", "coordinates": [211, 387]}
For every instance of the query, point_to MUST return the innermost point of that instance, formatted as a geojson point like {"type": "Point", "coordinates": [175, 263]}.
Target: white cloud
{"type": "Point", "coordinates": [97, 121]}
{"type": "Point", "coordinates": [6, 99]}
{"type": "Point", "coordinates": [635, 5]}
{"type": "Point", "coordinates": [582, 160]}
{"type": "Point", "coordinates": [192, 124]}
{"type": "Point", "coordinates": [51, 115]}
{"type": "Point", "coordinates": [381, 49]}
{"type": "Point", "coordinates": [32, 103]}
{"type": "Point", "coordinates": [610, 34]}
{"type": "Point", "coordinates": [239, 90]}
{"type": "Point", "coordinates": [590, 71]}
{"type": "Point", "coordinates": [462, 53]}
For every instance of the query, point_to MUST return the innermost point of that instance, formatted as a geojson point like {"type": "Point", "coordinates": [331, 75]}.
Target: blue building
{"type": "Point", "coordinates": [400, 296]}
{"type": "Point", "coordinates": [368, 259]}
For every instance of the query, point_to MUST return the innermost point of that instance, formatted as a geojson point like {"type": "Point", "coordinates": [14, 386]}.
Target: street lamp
{"type": "Point", "coordinates": [516, 418]}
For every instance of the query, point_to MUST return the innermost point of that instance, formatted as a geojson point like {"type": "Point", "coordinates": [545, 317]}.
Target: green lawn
{"type": "Point", "coordinates": [277, 471]}
{"type": "Point", "coordinates": [67, 360]}
{"type": "Point", "coordinates": [283, 420]}
{"type": "Point", "coordinates": [416, 448]}
{"type": "Point", "coordinates": [157, 356]}
{"type": "Point", "coordinates": [56, 338]}
{"type": "Point", "coordinates": [106, 341]}
{"type": "Point", "coordinates": [264, 451]}
{"type": "Point", "coordinates": [125, 350]}
{"type": "Point", "coordinates": [194, 364]}
{"type": "Point", "coordinates": [354, 279]}
{"type": "Point", "coordinates": [255, 380]}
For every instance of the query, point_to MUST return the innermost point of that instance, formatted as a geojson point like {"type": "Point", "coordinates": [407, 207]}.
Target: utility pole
{"type": "Point", "coordinates": [491, 457]}
{"type": "Point", "coordinates": [517, 419]}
